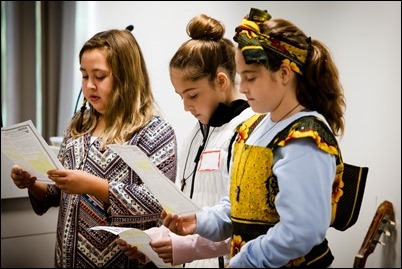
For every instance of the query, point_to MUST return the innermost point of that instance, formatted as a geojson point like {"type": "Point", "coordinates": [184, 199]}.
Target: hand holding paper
{"type": "Point", "coordinates": [137, 238]}
{"type": "Point", "coordinates": [23, 145]}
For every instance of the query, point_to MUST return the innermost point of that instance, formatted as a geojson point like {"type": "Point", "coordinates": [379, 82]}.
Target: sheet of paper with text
{"type": "Point", "coordinates": [24, 146]}
{"type": "Point", "coordinates": [172, 199]}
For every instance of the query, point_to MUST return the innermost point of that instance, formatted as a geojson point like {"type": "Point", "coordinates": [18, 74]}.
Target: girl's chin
{"type": "Point", "coordinates": [258, 109]}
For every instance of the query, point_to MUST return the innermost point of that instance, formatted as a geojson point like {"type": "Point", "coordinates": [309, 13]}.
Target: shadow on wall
{"type": "Point", "coordinates": [27, 240]}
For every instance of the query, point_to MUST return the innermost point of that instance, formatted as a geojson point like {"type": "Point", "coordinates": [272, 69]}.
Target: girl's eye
{"type": "Point", "coordinates": [248, 78]}
{"type": "Point", "coordinates": [84, 77]}
{"type": "Point", "coordinates": [193, 96]}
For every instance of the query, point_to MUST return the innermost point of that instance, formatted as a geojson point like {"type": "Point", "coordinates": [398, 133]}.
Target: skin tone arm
{"type": "Point", "coordinates": [23, 180]}
{"type": "Point", "coordinates": [69, 181]}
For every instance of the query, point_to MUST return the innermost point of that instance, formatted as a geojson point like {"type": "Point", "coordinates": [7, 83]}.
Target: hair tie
{"type": "Point", "coordinates": [81, 119]}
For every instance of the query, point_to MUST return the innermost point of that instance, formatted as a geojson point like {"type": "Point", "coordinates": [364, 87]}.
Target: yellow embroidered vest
{"type": "Point", "coordinates": [254, 187]}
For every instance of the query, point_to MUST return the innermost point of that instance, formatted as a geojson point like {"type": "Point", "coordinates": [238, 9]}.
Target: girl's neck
{"type": "Point", "coordinates": [287, 112]}
{"type": "Point", "coordinates": [100, 126]}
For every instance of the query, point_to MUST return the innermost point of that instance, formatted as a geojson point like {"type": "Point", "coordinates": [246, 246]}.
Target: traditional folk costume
{"type": "Point", "coordinates": [263, 214]}
{"type": "Point", "coordinates": [281, 200]}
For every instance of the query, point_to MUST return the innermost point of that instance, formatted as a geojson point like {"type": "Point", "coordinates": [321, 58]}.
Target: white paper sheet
{"type": "Point", "coordinates": [23, 145]}
{"type": "Point", "coordinates": [172, 199]}
{"type": "Point", "coordinates": [136, 238]}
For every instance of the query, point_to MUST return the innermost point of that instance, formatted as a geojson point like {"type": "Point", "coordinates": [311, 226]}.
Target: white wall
{"type": "Point", "coordinates": [365, 39]}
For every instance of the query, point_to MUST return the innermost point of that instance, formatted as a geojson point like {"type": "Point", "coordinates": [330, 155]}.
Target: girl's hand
{"type": "Point", "coordinates": [181, 225]}
{"type": "Point", "coordinates": [22, 179]}
{"type": "Point", "coordinates": [163, 247]}
{"type": "Point", "coordinates": [73, 181]}
{"type": "Point", "coordinates": [131, 251]}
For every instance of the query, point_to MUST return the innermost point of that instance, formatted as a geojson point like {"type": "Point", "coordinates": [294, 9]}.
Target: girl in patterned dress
{"type": "Point", "coordinates": [96, 187]}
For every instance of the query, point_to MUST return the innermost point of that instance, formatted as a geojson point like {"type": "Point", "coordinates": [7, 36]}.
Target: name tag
{"type": "Point", "coordinates": [210, 160]}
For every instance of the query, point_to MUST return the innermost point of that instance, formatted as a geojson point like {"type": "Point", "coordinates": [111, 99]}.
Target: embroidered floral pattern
{"type": "Point", "coordinates": [293, 66]}
{"type": "Point", "coordinates": [331, 149]}
{"type": "Point", "coordinates": [242, 133]}
{"type": "Point", "coordinates": [236, 244]}
{"type": "Point", "coordinates": [246, 127]}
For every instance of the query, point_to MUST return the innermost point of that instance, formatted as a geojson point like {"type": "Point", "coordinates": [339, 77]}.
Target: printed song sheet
{"type": "Point", "coordinates": [23, 145]}
{"type": "Point", "coordinates": [172, 199]}
{"type": "Point", "coordinates": [136, 238]}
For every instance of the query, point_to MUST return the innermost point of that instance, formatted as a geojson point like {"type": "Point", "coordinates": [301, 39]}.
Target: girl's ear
{"type": "Point", "coordinates": [285, 73]}
{"type": "Point", "coordinates": [222, 80]}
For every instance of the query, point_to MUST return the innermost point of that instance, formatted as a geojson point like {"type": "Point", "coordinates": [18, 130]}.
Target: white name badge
{"type": "Point", "coordinates": [210, 160]}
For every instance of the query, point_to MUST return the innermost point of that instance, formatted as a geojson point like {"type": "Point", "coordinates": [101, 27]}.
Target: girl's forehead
{"type": "Point", "coordinates": [94, 60]}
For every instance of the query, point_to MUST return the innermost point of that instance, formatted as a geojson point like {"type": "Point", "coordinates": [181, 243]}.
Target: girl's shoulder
{"type": "Point", "coordinates": [158, 130]}
{"type": "Point", "coordinates": [158, 124]}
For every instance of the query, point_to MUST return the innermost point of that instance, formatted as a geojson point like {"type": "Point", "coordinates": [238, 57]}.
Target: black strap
{"type": "Point", "coordinates": [221, 262]}
{"type": "Point", "coordinates": [230, 149]}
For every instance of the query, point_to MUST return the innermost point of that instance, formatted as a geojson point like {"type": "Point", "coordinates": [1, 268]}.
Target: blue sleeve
{"type": "Point", "coordinates": [214, 222]}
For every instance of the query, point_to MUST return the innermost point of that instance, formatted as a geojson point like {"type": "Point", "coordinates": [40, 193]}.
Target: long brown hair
{"type": "Point", "coordinates": [319, 88]}
{"type": "Point", "coordinates": [132, 103]}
